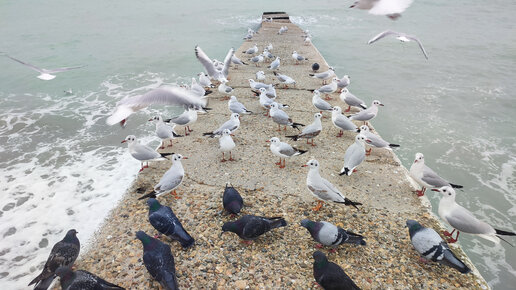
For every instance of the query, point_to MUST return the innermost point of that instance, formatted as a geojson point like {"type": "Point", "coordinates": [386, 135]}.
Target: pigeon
{"type": "Point", "coordinates": [281, 118]}
{"type": "Point", "coordinates": [63, 253]}
{"type": "Point", "coordinates": [330, 275]}
{"type": "Point", "coordinates": [354, 156]}
{"type": "Point", "coordinates": [204, 80]}
{"type": "Point", "coordinates": [250, 227]}
{"type": "Point", "coordinates": [142, 152]}
{"type": "Point", "coordinates": [163, 219]}
{"type": "Point", "coordinates": [232, 125]}
{"type": "Point", "coordinates": [311, 131]}
{"type": "Point", "coordinates": [198, 90]}
{"type": "Point", "coordinates": [401, 37]}
{"type": "Point", "coordinates": [164, 131]}
{"type": "Point", "coordinates": [45, 74]}
{"type": "Point", "coordinates": [284, 79]}
{"type": "Point", "coordinates": [252, 50]}
{"type": "Point", "coordinates": [297, 57]}
{"type": "Point", "coordinates": [463, 220]}
{"type": "Point", "coordinates": [343, 82]}
{"type": "Point", "coordinates": [186, 118]}
{"type": "Point", "coordinates": [260, 75]}
{"type": "Point", "coordinates": [330, 235]}
{"type": "Point", "coordinates": [426, 177]}
{"type": "Point", "coordinates": [329, 88]}
{"type": "Point", "coordinates": [367, 114]}
{"type": "Point", "coordinates": [232, 200]}
{"type": "Point", "coordinates": [374, 140]}
{"type": "Point", "coordinates": [236, 107]}
{"type": "Point", "coordinates": [209, 66]}
{"type": "Point", "coordinates": [172, 96]}
{"type": "Point", "coordinates": [322, 189]}
{"type": "Point", "coordinates": [320, 104]}
{"type": "Point", "coordinates": [324, 76]}
{"type": "Point", "coordinates": [80, 279]}
{"type": "Point", "coordinates": [170, 180]}
{"type": "Point", "coordinates": [389, 8]}
{"type": "Point", "coordinates": [226, 144]}
{"type": "Point", "coordinates": [283, 150]}
{"type": "Point", "coordinates": [431, 246]}
{"type": "Point", "coordinates": [275, 64]}
{"type": "Point", "coordinates": [341, 122]}
{"type": "Point", "coordinates": [236, 61]}
{"type": "Point", "coordinates": [159, 261]}
{"type": "Point", "coordinates": [347, 97]}
{"type": "Point", "coordinates": [315, 67]}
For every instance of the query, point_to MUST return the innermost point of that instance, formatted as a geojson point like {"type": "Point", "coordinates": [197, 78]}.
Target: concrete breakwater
{"type": "Point", "coordinates": [282, 258]}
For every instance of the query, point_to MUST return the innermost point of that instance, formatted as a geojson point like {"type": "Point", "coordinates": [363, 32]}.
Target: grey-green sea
{"type": "Point", "coordinates": [62, 167]}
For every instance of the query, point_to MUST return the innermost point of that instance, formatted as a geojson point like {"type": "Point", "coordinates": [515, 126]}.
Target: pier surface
{"type": "Point", "coordinates": [282, 258]}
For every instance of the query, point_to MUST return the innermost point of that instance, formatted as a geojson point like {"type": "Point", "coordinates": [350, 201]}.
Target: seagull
{"type": "Point", "coordinates": [322, 189]}
{"type": "Point", "coordinates": [462, 220]}
{"type": "Point", "coordinates": [283, 150]}
{"type": "Point", "coordinates": [297, 57]}
{"type": "Point", "coordinates": [172, 96]}
{"type": "Point", "coordinates": [226, 144]}
{"type": "Point", "coordinates": [310, 131]}
{"type": "Point", "coordinates": [341, 122]}
{"type": "Point", "coordinates": [257, 59]}
{"type": "Point", "coordinates": [207, 63]}
{"type": "Point", "coordinates": [45, 74]}
{"type": "Point", "coordinates": [281, 118]}
{"type": "Point", "coordinates": [282, 30]}
{"type": "Point", "coordinates": [257, 85]}
{"type": "Point", "coordinates": [374, 140]}
{"type": "Point", "coordinates": [390, 8]}
{"type": "Point", "coordinates": [265, 101]}
{"type": "Point", "coordinates": [164, 131]}
{"type": "Point", "coordinates": [236, 61]}
{"type": "Point", "coordinates": [426, 177]}
{"type": "Point", "coordinates": [275, 64]}
{"type": "Point", "coordinates": [204, 80]}
{"type": "Point", "coordinates": [267, 54]}
{"type": "Point", "coordinates": [326, 75]}
{"type": "Point", "coordinates": [225, 89]}
{"type": "Point", "coordinates": [269, 47]}
{"type": "Point", "coordinates": [198, 90]}
{"type": "Point", "coordinates": [143, 153]}
{"type": "Point", "coordinates": [367, 114]}
{"type": "Point", "coordinates": [401, 37]}
{"type": "Point", "coordinates": [232, 124]}
{"type": "Point", "coordinates": [308, 40]}
{"type": "Point", "coordinates": [236, 107]}
{"type": "Point", "coordinates": [186, 118]}
{"type": "Point", "coordinates": [284, 79]}
{"type": "Point", "coordinates": [354, 156]}
{"type": "Point", "coordinates": [260, 75]}
{"type": "Point", "coordinates": [329, 88]}
{"type": "Point", "coordinates": [252, 50]}
{"type": "Point", "coordinates": [170, 180]}
{"type": "Point", "coordinates": [351, 100]}
{"type": "Point", "coordinates": [343, 82]}
{"type": "Point", "coordinates": [320, 104]}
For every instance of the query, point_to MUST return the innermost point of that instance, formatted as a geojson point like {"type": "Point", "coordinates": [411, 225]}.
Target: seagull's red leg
{"type": "Point", "coordinates": [223, 159]}
{"type": "Point", "coordinates": [348, 109]}
{"type": "Point", "coordinates": [230, 157]}
{"type": "Point", "coordinates": [368, 152]}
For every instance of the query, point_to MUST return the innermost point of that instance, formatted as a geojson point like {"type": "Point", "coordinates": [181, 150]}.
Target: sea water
{"type": "Point", "coordinates": [62, 167]}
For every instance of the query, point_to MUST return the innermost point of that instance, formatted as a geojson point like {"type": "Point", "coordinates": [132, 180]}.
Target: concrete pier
{"type": "Point", "coordinates": [282, 258]}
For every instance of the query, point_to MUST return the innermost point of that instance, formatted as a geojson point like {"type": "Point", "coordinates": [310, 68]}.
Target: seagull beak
{"type": "Point", "coordinates": [435, 189]}
{"type": "Point", "coordinates": [368, 140]}
{"type": "Point", "coordinates": [415, 161]}
{"type": "Point", "coordinates": [184, 157]}
{"type": "Point", "coordinates": [123, 141]}
{"type": "Point", "coordinates": [268, 141]}
{"type": "Point", "coordinates": [382, 104]}
{"type": "Point", "coordinates": [352, 6]}
{"type": "Point", "coordinates": [150, 120]}
{"type": "Point", "coordinates": [304, 165]}
{"type": "Point", "coordinates": [358, 130]}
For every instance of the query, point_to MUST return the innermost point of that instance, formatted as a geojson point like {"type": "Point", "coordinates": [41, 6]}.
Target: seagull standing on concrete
{"type": "Point", "coordinates": [204, 80]}
{"type": "Point", "coordinates": [367, 114]}
{"type": "Point", "coordinates": [463, 220]}
{"type": "Point", "coordinates": [236, 107]}
{"type": "Point", "coordinates": [285, 80]}
{"type": "Point", "coordinates": [226, 144]}
{"type": "Point", "coordinates": [322, 189]}
{"type": "Point", "coordinates": [186, 118]}
{"type": "Point", "coordinates": [164, 131]}
{"type": "Point", "coordinates": [198, 90]}
{"type": "Point", "coordinates": [45, 74]}
{"type": "Point", "coordinates": [401, 37]}
{"type": "Point", "coordinates": [275, 64]}
{"type": "Point", "coordinates": [236, 61]}
{"type": "Point", "coordinates": [374, 140]}
{"type": "Point", "coordinates": [311, 131]}
{"type": "Point", "coordinates": [297, 57]}
{"type": "Point", "coordinates": [257, 59]}
{"type": "Point", "coordinates": [329, 88]}
{"type": "Point", "coordinates": [320, 104]}
{"type": "Point", "coordinates": [252, 50]}
{"type": "Point", "coordinates": [260, 75]}
{"type": "Point", "coordinates": [324, 76]}
{"type": "Point", "coordinates": [343, 82]}
{"type": "Point", "coordinates": [170, 180]}
{"type": "Point", "coordinates": [283, 150]}
{"type": "Point", "coordinates": [281, 118]}
{"type": "Point", "coordinates": [232, 125]}
{"type": "Point", "coordinates": [351, 100]}
{"type": "Point", "coordinates": [142, 152]}
{"type": "Point", "coordinates": [354, 156]}
{"type": "Point", "coordinates": [426, 177]}
{"type": "Point", "coordinates": [225, 89]}
{"type": "Point", "coordinates": [341, 122]}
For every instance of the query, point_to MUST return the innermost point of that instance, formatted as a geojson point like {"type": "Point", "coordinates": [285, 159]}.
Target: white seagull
{"type": "Point", "coordinates": [275, 64]}
{"type": "Point", "coordinates": [232, 125]}
{"type": "Point", "coordinates": [401, 37]}
{"type": "Point", "coordinates": [164, 131]}
{"type": "Point", "coordinates": [209, 66]}
{"type": "Point", "coordinates": [329, 88]}
{"type": "Point", "coordinates": [186, 118]}
{"type": "Point", "coordinates": [143, 153]}
{"type": "Point", "coordinates": [343, 82]}
{"type": "Point", "coordinates": [367, 114]}
{"type": "Point", "coordinates": [260, 75]}
{"type": "Point", "coordinates": [236, 107]}
{"type": "Point", "coordinates": [252, 50]}
{"type": "Point", "coordinates": [283, 150]}
{"type": "Point", "coordinates": [281, 118]}
{"type": "Point", "coordinates": [354, 156]}
{"type": "Point", "coordinates": [311, 131]}
{"type": "Point", "coordinates": [297, 57]}
{"type": "Point", "coordinates": [226, 144]}
{"type": "Point", "coordinates": [236, 61]}
{"type": "Point", "coordinates": [170, 180]}
{"type": "Point", "coordinates": [204, 80]}
{"type": "Point", "coordinates": [374, 140]}
{"type": "Point", "coordinates": [324, 76]}
{"type": "Point", "coordinates": [351, 100]}
{"type": "Point", "coordinates": [426, 177]}
{"type": "Point", "coordinates": [45, 74]}
{"type": "Point", "coordinates": [284, 79]}
{"type": "Point", "coordinates": [319, 103]}
{"type": "Point", "coordinates": [390, 8]}
{"type": "Point", "coordinates": [341, 122]}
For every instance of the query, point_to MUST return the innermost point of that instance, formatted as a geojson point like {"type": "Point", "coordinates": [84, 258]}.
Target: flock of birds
{"type": "Point", "coordinates": [157, 256]}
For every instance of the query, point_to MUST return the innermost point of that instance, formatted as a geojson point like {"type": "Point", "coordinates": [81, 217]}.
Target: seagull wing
{"type": "Point", "coordinates": [419, 43]}
{"type": "Point", "coordinates": [382, 35]}
{"type": "Point", "coordinates": [227, 61]}
{"type": "Point", "coordinates": [174, 96]}
{"type": "Point", "coordinates": [27, 64]}
{"type": "Point", "coordinates": [205, 61]}
{"type": "Point", "coordinates": [61, 69]}
{"type": "Point", "coordinates": [390, 7]}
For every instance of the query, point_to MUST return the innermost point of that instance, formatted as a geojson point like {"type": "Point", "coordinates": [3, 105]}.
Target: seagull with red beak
{"type": "Point", "coordinates": [426, 177]}
{"type": "Point", "coordinates": [142, 152]}
{"type": "Point", "coordinates": [170, 180]}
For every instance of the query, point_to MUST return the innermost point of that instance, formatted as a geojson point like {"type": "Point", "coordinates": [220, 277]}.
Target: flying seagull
{"type": "Point", "coordinates": [45, 74]}
{"type": "Point", "coordinates": [401, 37]}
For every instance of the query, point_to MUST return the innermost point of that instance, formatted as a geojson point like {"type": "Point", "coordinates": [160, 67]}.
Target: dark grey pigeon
{"type": "Point", "coordinates": [331, 235]}
{"type": "Point", "coordinates": [84, 280]}
{"type": "Point", "coordinates": [159, 261]}
{"type": "Point", "coordinates": [250, 227]}
{"type": "Point", "coordinates": [163, 219]}
{"type": "Point", "coordinates": [232, 200]}
{"type": "Point", "coordinates": [330, 276]}
{"type": "Point", "coordinates": [63, 253]}
{"type": "Point", "coordinates": [432, 247]}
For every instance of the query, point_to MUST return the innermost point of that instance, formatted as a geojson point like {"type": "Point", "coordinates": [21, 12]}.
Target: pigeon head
{"type": "Point", "coordinates": [420, 158]}
{"type": "Point", "coordinates": [153, 204]}
{"type": "Point", "coordinates": [308, 224]}
{"type": "Point", "coordinates": [447, 191]}
{"type": "Point", "coordinates": [129, 139]}
{"type": "Point", "coordinates": [147, 241]}
{"type": "Point", "coordinates": [71, 236]}
{"type": "Point", "coordinates": [413, 227]}
{"type": "Point", "coordinates": [231, 227]}
{"type": "Point", "coordinates": [320, 260]}
{"type": "Point", "coordinates": [377, 103]}
{"type": "Point", "coordinates": [364, 128]}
